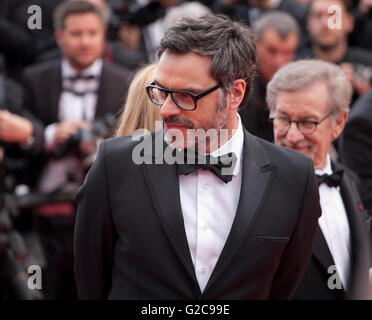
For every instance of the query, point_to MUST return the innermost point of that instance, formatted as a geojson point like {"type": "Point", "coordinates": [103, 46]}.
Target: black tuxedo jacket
{"type": "Point", "coordinates": [43, 86]}
{"type": "Point", "coordinates": [314, 284]}
{"type": "Point", "coordinates": [130, 240]}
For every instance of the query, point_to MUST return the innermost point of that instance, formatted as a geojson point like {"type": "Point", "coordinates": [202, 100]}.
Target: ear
{"type": "Point", "coordinates": [339, 124]}
{"type": "Point", "coordinates": [348, 22]}
{"type": "Point", "coordinates": [237, 92]}
{"type": "Point", "coordinates": [58, 36]}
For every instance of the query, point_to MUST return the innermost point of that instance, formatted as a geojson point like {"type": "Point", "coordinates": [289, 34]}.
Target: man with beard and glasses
{"type": "Point", "coordinates": [309, 102]}
{"type": "Point", "coordinates": [213, 222]}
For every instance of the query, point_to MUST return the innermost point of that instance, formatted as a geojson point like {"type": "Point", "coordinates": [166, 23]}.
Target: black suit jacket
{"type": "Point", "coordinates": [356, 145]}
{"type": "Point", "coordinates": [43, 85]}
{"type": "Point", "coordinates": [130, 240]}
{"type": "Point", "coordinates": [314, 284]}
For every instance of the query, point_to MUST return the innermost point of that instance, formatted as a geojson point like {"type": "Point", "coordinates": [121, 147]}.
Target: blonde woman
{"type": "Point", "coordinates": [138, 112]}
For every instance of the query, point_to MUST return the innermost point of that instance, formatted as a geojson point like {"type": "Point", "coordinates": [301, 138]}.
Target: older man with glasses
{"type": "Point", "coordinates": [309, 103]}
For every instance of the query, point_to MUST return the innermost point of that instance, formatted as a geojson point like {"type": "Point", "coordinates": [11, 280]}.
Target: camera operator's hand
{"type": "Point", "coordinates": [360, 86]}
{"type": "Point", "coordinates": [13, 128]}
{"type": "Point", "coordinates": [66, 129]}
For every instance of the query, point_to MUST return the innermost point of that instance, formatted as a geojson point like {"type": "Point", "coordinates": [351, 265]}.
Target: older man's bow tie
{"type": "Point", "coordinates": [222, 166]}
{"type": "Point", "coordinates": [333, 180]}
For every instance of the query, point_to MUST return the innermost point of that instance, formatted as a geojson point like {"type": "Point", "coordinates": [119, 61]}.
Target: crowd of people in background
{"type": "Point", "coordinates": [81, 78]}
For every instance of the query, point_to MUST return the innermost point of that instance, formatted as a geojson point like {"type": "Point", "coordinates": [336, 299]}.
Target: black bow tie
{"type": "Point", "coordinates": [332, 180]}
{"type": "Point", "coordinates": [81, 77]}
{"type": "Point", "coordinates": [78, 93]}
{"type": "Point", "coordinates": [222, 166]}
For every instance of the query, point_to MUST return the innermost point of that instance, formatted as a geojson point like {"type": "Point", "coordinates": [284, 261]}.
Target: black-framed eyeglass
{"type": "Point", "coordinates": [183, 99]}
{"type": "Point", "coordinates": [306, 127]}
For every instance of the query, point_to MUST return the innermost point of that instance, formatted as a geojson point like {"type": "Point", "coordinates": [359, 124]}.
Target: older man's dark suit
{"type": "Point", "coordinates": [43, 87]}
{"type": "Point", "coordinates": [130, 240]}
{"type": "Point", "coordinates": [315, 282]}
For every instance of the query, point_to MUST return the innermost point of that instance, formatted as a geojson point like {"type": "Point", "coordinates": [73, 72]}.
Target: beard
{"type": "Point", "coordinates": [326, 47]}
{"type": "Point", "coordinates": [213, 134]}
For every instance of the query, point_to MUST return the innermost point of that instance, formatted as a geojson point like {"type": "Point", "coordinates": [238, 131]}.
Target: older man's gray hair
{"type": "Point", "coordinates": [303, 73]}
{"type": "Point", "coordinates": [283, 23]}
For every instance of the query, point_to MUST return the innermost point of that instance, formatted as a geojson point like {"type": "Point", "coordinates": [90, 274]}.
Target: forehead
{"type": "Point", "coordinates": [311, 101]}
{"type": "Point", "coordinates": [321, 6]}
{"type": "Point", "coordinates": [270, 37]}
{"type": "Point", "coordinates": [179, 71]}
{"type": "Point", "coordinates": [82, 20]}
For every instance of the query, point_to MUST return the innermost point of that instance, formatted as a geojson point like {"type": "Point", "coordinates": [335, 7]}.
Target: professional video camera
{"type": "Point", "coordinates": [84, 143]}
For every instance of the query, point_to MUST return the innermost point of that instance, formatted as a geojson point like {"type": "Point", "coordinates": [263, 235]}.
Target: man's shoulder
{"type": "Point", "coordinates": [124, 146]}
{"type": "Point", "coordinates": [116, 71]}
{"type": "Point", "coordinates": [42, 68]}
{"type": "Point", "coordinates": [282, 157]}
{"type": "Point", "coordinates": [359, 55]}
{"type": "Point", "coordinates": [362, 107]}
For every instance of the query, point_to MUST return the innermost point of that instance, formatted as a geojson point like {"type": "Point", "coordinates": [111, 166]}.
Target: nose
{"type": "Point", "coordinates": [85, 39]}
{"type": "Point", "coordinates": [169, 108]}
{"type": "Point", "coordinates": [281, 59]}
{"type": "Point", "coordinates": [294, 135]}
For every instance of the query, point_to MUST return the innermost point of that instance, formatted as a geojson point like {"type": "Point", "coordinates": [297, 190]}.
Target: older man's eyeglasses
{"type": "Point", "coordinates": [306, 127]}
{"type": "Point", "coordinates": [183, 99]}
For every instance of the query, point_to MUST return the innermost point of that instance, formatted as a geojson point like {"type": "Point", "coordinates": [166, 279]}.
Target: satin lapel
{"type": "Point", "coordinates": [163, 183]}
{"type": "Point", "coordinates": [321, 251]}
{"type": "Point", "coordinates": [54, 92]}
{"type": "Point", "coordinates": [103, 94]}
{"type": "Point", "coordinates": [256, 175]}
{"type": "Point", "coordinates": [358, 235]}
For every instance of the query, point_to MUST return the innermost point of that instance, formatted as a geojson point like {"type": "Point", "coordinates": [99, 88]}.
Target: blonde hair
{"type": "Point", "coordinates": [138, 111]}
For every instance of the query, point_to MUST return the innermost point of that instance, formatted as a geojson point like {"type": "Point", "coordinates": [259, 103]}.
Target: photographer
{"type": "Point", "coordinates": [21, 138]}
{"type": "Point", "coordinates": [21, 134]}
{"type": "Point", "coordinates": [69, 96]}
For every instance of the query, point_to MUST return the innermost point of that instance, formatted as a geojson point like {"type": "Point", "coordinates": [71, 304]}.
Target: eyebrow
{"type": "Point", "coordinates": [191, 90]}
{"type": "Point", "coordinates": [310, 117]}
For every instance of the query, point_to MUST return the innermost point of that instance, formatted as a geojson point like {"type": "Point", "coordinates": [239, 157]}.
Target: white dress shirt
{"type": "Point", "coordinates": [208, 207]}
{"type": "Point", "coordinates": [334, 224]}
{"type": "Point", "coordinates": [76, 107]}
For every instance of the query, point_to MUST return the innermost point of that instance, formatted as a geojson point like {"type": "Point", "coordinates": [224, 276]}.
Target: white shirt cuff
{"type": "Point", "coordinates": [49, 134]}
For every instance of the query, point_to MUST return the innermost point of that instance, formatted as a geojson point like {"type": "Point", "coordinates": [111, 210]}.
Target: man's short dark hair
{"type": "Point", "coordinates": [71, 7]}
{"type": "Point", "coordinates": [230, 45]}
{"type": "Point", "coordinates": [348, 4]}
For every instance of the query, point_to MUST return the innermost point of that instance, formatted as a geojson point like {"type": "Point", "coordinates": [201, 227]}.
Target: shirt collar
{"type": "Point", "coordinates": [235, 144]}
{"type": "Point", "coordinates": [327, 169]}
{"type": "Point", "coordinates": [93, 70]}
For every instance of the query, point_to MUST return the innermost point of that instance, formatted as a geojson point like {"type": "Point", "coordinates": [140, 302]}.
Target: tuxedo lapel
{"type": "Point", "coordinates": [103, 94]}
{"type": "Point", "coordinates": [358, 236]}
{"type": "Point", "coordinates": [321, 251]}
{"type": "Point", "coordinates": [163, 183]}
{"type": "Point", "coordinates": [256, 175]}
{"type": "Point", "coordinates": [54, 92]}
